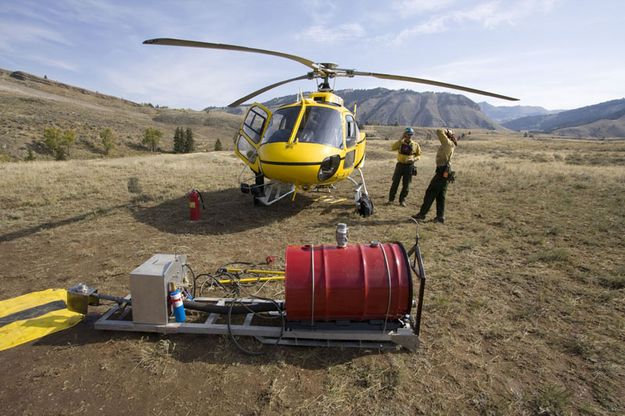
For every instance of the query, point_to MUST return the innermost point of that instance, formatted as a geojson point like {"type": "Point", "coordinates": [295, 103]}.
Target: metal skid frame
{"type": "Point", "coordinates": [274, 191]}
{"type": "Point", "coordinates": [322, 334]}
{"type": "Point", "coordinates": [380, 334]}
{"type": "Point", "coordinates": [360, 187]}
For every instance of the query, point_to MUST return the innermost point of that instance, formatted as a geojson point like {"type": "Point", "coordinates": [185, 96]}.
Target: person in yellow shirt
{"type": "Point", "coordinates": [438, 185]}
{"type": "Point", "coordinates": [408, 152]}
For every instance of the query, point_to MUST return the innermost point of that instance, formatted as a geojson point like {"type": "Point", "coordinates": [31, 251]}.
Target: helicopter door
{"type": "Point", "coordinates": [250, 133]}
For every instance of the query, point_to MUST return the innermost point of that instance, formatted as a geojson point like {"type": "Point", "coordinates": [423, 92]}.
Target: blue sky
{"type": "Point", "coordinates": [558, 54]}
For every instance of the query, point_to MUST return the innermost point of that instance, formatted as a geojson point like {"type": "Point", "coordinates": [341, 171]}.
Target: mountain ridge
{"type": "Point", "coordinates": [407, 107]}
{"type": "Point", "coordinates": [502, 114]}
{"type": "Point", "coordinates": [606, 119]}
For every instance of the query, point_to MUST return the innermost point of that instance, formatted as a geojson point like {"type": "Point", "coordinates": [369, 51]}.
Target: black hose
{"type": "Point", "coordinates": [236, 310]}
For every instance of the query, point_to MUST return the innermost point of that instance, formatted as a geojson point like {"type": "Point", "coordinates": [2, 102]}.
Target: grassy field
{"type": "Point", "coordinates": [524, 308]}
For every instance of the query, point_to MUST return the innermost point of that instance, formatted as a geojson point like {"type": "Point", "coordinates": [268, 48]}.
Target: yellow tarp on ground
{"type": "Point", "coordinates": [22, 331]}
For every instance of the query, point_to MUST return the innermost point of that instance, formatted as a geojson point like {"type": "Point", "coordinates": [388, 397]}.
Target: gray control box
{"type": "Point", "coordinates": [148, 287]}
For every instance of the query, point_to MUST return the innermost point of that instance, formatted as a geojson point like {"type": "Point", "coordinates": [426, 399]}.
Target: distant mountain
{"type": "Point", "coordinates": [600, 120]}
{"type": "Point", "coordinates": [502, 114]}
{"type": "Point", "coordinates": [410, 108]}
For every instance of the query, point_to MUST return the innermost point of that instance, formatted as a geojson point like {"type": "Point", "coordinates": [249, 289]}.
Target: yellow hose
{"type": "Point", "coordinates": [259, 271]}
{"type": "Point", "coordinates": [251, 279]}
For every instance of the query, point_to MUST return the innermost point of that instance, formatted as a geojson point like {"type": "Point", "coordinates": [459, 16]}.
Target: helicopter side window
{"type": "Point", "coordinates": [281, 125]}
{"type": "Point", "coordinates": [321, 125]}
{"type": "Point", "coordinates": [352, 131]}
{"type": "Point", "coordinates": [253, 124]}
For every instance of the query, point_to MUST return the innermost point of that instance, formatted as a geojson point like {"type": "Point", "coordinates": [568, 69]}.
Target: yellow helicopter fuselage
{"type": "Point", "coordinates": [312, 142]}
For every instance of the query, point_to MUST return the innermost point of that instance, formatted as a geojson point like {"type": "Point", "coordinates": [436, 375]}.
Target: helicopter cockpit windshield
{"type": "Point", "coordinates": [321, 125]}
{"type": "Point", "coordinates": [281, 125]}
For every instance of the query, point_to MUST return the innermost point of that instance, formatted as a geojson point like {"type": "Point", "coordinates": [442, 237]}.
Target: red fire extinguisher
{"type": "Point", "coordinates": [195, 199]}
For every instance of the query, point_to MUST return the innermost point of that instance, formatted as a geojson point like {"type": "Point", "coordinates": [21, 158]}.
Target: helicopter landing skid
{"type": "Point", "coordinates": [364, 205]}
{"type": "Point", "coordinates": [274, 191]}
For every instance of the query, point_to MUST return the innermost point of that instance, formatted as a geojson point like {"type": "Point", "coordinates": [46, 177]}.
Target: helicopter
{"type": "Point", "coordinates": [308, 144]}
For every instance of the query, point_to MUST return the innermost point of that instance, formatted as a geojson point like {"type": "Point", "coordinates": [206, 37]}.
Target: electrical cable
{"type": "Point", "coordinates": [194, 277]}
{"type": "Point", "coordinates": [234, 340]}
{"type": "Point", "coordinates": [229, 324]}
{"type": "Point", "coordinates": [236, 307]}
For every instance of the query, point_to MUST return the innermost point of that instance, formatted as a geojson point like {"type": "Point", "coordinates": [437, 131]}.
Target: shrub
{"type": "Point", "coordinates": [151, 138]}
{"type": "Point", "coordinates": [108, 140]}
{"type": "Point", "coordinates": [59, 142]}
{"type": "Point", "coordinates": [30, 155]}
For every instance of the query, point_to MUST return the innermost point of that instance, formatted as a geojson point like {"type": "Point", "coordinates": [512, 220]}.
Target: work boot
{"type": "Point", "coordinates": [402, 204]}
{"type": "Point", "coordinates": [389, 202]}
{"type": "Point", "coordinates": [440, 219]}
{"type": "Point", "coordinates": [419, 217]}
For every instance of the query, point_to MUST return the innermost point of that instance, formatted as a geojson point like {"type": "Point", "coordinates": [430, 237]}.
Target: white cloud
{"type": "Point", "coordinates": [487, 15]}
{"type": "Point", "coordinates": [319, 10]}
{"type": "Point", "coordinates": [14, 36]}
{"type": "Point", "coordinates": [184, 79]}
{"type": "Point", "coordinates": [408, 8]}
{"type": "Point", "coordinates": [325, 34]}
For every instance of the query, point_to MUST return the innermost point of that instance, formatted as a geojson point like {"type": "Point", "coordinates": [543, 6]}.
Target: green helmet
{"type": "Point", "coordinates": [409, 131]}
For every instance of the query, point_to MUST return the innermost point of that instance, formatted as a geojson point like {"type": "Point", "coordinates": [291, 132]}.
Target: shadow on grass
{"type": "Point", "coordinates": [54, 224]}
{"type": "Point", "coordinates": [227, 211]}
{"type": "Point", "coordinates": [210, 349]}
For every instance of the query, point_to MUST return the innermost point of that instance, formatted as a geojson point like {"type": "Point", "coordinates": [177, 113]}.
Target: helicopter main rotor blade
{"type": "Point", "coordinates": [194, 44]}
{"type": "Point", "coordinates": [267, 88]}
{"type": "Point", "coordinates": [431, 82]}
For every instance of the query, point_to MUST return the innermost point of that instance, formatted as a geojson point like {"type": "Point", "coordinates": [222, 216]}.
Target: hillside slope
{"type": "Point", "coordinates": [600, 120]}
{"type": "Point", "coordinates": [406, 107]}
{"type": "Point", "coordinates": [29, 104]}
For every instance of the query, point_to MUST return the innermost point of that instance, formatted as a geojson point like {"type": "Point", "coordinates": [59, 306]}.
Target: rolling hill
{"type": "Point", "coordinates": [29, 104]}
{"type": "Point", "coordinates": [600, 120]}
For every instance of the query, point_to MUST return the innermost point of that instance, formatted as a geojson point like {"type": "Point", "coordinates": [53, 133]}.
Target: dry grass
{"type": "Point", "coordinates": [29, 107]}
{"type": "Point", "coordinates": [525, 303]}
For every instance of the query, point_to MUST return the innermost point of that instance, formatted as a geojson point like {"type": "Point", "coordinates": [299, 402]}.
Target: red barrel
{"type": "Point", "coordinates": [358, 282]}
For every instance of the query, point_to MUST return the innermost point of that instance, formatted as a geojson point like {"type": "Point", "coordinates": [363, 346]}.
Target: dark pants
{"type": "Point", "coordinates": [403, 171]}
{"type": "Point", "coordinates": [436, 191]}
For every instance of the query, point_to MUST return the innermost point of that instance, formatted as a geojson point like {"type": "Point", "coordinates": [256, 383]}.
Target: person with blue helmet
{"type": "Point", "coordinates": [408, 152]}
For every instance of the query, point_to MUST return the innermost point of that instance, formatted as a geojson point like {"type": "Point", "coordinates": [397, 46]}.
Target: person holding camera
{"type": "Point", "coordinates": [408, 152]}
{"type": "Point", "coordinates": [438, 185]}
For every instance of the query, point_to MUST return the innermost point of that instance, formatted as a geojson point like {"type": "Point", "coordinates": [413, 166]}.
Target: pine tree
{"type": "Point", "coordinates": [189, 144]}
{"type": "Point", "coordinates": [218, 145]}
{"type": "Point", "coordinates": [179, 140]}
